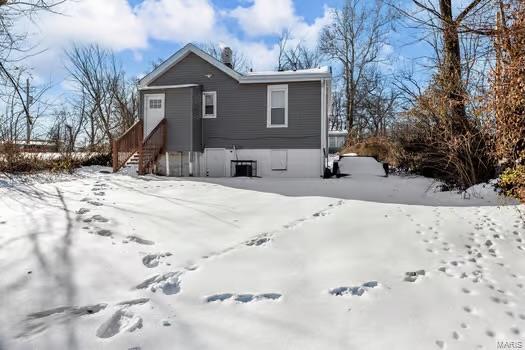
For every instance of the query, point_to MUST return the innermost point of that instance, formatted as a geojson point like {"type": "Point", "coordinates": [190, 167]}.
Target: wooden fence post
{"type": "Point", "coordinates": [115, 156]}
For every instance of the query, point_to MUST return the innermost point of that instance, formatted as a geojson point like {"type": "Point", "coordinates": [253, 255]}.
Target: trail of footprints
{"type": "Point", "coordinates": [124, 318]}
{"type": "Point", "coordinates": [483, 249]}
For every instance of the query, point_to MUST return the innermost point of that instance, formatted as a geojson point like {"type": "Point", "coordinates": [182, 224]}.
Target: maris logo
{"type": "Point", "coordinates": [510, 345]}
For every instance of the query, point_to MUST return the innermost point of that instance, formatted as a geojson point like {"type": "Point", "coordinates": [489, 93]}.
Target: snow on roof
{"type": "Point", "coordinates": [320, 70]}
{"type": "Point", "coordinates": [31, 143]}
{"type": "Point", "coordinates": [337, 132]}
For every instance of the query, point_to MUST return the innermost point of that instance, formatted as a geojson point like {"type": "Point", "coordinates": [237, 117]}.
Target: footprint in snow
{"type": "Point", "coordinates": [132, 302]}
{"type": "Point", "coordinates": [262, 239]}
{"type": "Point", "coordinates": [122, 320]}
{"type": "Point", "coordinates": [71, 310]}
{"type": "Point", "coordinates": [355, 291]}
{"type": "Point", "coordinates": [38, 322]}
{"type": "Point", "coordinates": [105, 233]}
{"type": "Point", "coordinates": [169, 283]}
{"type": "Point", "coordinates": [82, 211]}
{"type": "Point", "coordinates": [97, 218]}
{"type": "Point", "coordinates": [413, 276]}
{"type": "Point", "coordinates": [243, 298]}
{"type": "Point", "coordinates": [153, 260]}
{"type": "Point", "coordinates": [138, 240]}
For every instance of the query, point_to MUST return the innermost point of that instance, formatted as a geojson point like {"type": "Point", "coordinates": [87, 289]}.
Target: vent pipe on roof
{"type": "Point", "coordinates": [227, 57]}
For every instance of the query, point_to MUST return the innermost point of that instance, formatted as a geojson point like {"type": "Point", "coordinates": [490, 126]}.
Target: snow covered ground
{"type": "Point", "coordinates": [104, 261]}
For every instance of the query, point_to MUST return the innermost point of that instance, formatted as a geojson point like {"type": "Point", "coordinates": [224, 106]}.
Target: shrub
{"type": "Point", "coordinates": [103, 159]}
{"type": "Point", "coordinates": [512, 182]}
{"type": "Point", "coordinates": [435, 142]}
{"type": "Point", "coordinates": [508, 98]}
{"type": "Point", "coordinates": [380, 148]}
{"type": "Point", "coordinates": [14, 161]}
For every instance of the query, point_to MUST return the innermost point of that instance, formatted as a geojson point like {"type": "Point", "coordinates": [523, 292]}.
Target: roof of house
{"type": "Point", "coordinates": [337, 132]}
{"type": "Point", "coordinates": [251, 77]}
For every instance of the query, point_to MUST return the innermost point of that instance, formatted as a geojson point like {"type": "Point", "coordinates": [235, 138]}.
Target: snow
{"type": "Point", "coordinates": [109, 261]}
{"type": "Point", "coordinates": [338, 132]}
{"type": "Point", "coordinates": [319, 70]}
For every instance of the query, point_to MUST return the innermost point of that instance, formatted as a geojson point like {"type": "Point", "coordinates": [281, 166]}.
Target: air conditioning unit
{"type": "Point", "coordinates": [244, 168]}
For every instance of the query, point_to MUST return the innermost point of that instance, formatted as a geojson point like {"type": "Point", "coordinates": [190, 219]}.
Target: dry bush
{"type": "Point", "coordinates": [15, 162]}
{"type": "Point", "coordinates": [382, 149]}
{"type": "Point", "coordinates": [434, 143]}
{"type": "Point", "coordinates": [512, 182]}
{"type": "Point", "coordinates": [508, 97]}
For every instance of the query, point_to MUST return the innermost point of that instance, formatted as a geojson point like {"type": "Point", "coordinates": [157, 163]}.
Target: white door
{"type": "Point", "coordinates": [153, 112]}
{"type": "Point", "coordinates": [215, 162]}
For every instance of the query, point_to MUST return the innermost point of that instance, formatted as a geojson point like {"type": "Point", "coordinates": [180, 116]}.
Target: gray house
{"type": "Point", "coordinates": [199, 117]}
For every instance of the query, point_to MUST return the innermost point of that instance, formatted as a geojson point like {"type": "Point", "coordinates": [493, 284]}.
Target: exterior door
{"type": "Point", "coordinates": [215, 162]}
{"type": "Point", "coordinates": [153, 112]}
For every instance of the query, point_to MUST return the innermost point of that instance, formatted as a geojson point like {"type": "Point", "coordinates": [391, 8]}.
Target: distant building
{"type": "Point", "coordinates": [34, 146]}
{"type": "Point", "coordinates": [336, 140]}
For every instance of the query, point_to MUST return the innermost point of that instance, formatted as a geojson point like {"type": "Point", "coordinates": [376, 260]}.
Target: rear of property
{"type": "Point", "coordinates": [199, 117]}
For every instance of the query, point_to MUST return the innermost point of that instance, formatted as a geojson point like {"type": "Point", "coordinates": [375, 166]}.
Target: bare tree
{"type": "Point", "coordinates": [337, 118]}
{"type": "Point", "coordinates": [298, 56]}
{"type": "Point", "coordinates": [111, 99]}
{"type": "Point", "coordinates": [454, 34]}
{"type": "Point", "coordinates": [13, 49]}
{"type": "Point", "coordinates": [240, 62]}
{"type": "Point", "coordinates": [354, 39]}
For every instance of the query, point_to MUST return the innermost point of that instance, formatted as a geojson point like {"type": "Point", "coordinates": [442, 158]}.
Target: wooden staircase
{"type": "Point", "coordinates": [131, 148]}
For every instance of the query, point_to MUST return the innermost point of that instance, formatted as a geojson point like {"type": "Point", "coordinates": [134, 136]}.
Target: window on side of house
{"type": "Point", "coordinates": [209, 104]}
{"type": "Point", "coordinates": [155, 103]}
{"type": "Point", "coordinates": [277, 114]}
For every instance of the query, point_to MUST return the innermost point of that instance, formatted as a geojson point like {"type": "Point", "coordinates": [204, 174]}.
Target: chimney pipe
{"type": "Point", "coordinates": [226, 57]}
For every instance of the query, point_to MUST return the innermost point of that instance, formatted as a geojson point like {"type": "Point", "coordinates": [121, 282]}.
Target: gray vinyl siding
{"type": "Point", "coordinates": [179, 114]}
{"type": "Point", "coordinates": [241, 109]}
{"type": "Point", "coordinates": [197, 119]}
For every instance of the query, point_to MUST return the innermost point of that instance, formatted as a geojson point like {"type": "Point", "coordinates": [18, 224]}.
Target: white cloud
{"type": "Point", "coordinates": [308, 34]}
{"type": "Point", "coordinates": [117, 25]}
{"type": "Point", "coordinates": [178, 20]}
{"type": "Point", "coordinates": [265, 17]}
{"type": "Point", "coordinates": [111, 24]}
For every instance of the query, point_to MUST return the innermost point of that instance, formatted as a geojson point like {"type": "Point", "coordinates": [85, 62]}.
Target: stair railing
{"type": "Point", "coordinates": [152, 147]}
{"type": "Point", "coordinates": [127, 145]}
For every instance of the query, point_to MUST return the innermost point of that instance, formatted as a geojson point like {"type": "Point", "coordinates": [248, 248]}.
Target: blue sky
{"type": "Point", "coordinates": [142, 31]}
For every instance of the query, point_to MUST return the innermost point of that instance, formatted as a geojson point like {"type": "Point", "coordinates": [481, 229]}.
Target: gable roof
{"type": "Point", "coordinates": [251, 77]}
{"type": "Point", "coordinates": [179, 56]}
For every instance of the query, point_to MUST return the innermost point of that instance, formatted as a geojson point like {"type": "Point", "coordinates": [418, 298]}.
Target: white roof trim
{"type": "Point", "coordinates": [284, 78]}
{"type": "Point", "coordinates": [163, 87]}
{"type": "Point", "coordinates": [178, 56]}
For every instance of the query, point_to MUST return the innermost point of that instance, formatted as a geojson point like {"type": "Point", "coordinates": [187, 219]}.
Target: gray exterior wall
{"type": "Point", "coordinates": [197, 119]}
{"type": "Point", "coordinates": [241, 110]}
{"type": "Point", "coordinates": [183, 117]}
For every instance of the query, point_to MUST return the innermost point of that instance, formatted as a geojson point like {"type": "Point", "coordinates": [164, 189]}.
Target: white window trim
{"type": "Point", "coordinates": [209, 116]}
{"type": "Point", "coordinates": [272, 88]}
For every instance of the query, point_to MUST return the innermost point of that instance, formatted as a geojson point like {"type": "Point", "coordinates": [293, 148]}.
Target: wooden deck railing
{"type": "Point", "coordinates": [152, 146]}
{"type": "Point", "coordinates": [127, 145]}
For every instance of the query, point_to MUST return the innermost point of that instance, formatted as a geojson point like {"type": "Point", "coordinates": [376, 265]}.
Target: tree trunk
{"type": "Point", "coordinates": [350, 101]}
{"type": "Point", "coordinates": [452, 76]}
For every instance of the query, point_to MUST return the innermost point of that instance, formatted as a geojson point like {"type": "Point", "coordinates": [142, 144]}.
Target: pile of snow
{"type": "Point", "coordinates": [108, 261]}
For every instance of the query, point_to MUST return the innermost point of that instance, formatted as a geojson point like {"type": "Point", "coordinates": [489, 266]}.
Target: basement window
{"type": "Point", "coordinates": [209, 104]}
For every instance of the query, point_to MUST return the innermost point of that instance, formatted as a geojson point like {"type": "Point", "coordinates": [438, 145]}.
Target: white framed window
{"type": "Point", "coordinates": [155, 103]}
{"type": "Point", "coordinates": [209, 104]}
{"type": "Point", "coordinates": [277, 107]}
